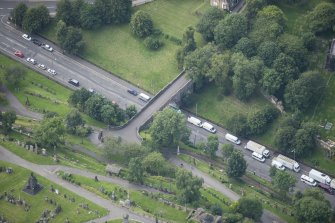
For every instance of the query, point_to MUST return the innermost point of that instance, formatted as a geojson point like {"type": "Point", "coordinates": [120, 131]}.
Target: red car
{"type": "Point", "coordinates": [19, 54]}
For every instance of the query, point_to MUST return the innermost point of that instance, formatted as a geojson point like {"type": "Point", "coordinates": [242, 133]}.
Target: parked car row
{"type": "Point", "coordinates": [141, 96]}
{"type": "Point", "coordinates": [205, 125]}
{"type": "Point", "coordinates": [38, 42]}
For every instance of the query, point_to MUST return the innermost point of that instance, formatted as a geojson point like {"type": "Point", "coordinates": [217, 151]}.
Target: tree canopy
{"type": "Point", "coordinates": [188, 186]}
{"type": "Point", "coordinates": [236, 165]}
{"type": "Point", "coordinates": [141, 24]}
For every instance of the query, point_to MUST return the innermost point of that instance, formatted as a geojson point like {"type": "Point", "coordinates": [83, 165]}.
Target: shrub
{"type": "Point", "coordinates": [153, 43]}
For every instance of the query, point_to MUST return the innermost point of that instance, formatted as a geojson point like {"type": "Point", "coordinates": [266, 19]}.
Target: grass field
{"type": "Point", "coordinates": [220, 110]}
{"type": "Point", "coordinates": [14, 184]}
{"type": "Point", "coordinates": [53, 97]}
{"type": "Point", "coordinates": [117, 50]}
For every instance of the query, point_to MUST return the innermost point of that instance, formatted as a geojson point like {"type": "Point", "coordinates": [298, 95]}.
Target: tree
{"type": "Point", "coordinates": [154, 163]}
{"type": "Point", "coordinates": [198, 64]}
{"type": "Point", "coordinates": [131, 111]}
{"type": "Point", "coordinates": [250, 208]}
{"type": "Point", "coordinates": [245, 46]}
{"type": "Point", "coordinates": [216, 209]}
{"type": "Point", "coordinates": [121, 11]}
{"type": "Point", "coordinates": [238, 125]}
{"type": "Point", "coordinates": [14, 74]}
{"type": "Point", "coordinates": [246, 73]}
{"type": "Point", "coordinates": [229, 30]}
{"type": "Point", "coordinates": [322, 18]}
{"type": "Point", "coordinates": [208, 22]}
{"type": "Point", "coordinates": [212, 145]}
{"type": "Point", "coordinates": [188, 186]}
{"type": "Point", "coordinates": [136, 171]}
{"type": "Point", "coordinates": [93, 106]}
{"type": "Point", "coordinates": [286, 68]}
{"type": "Point", "coordinates": [236, 165]}
{"type": "Point", "coordinates": [271, 81]}
{"type": "Point", "coordinates": [73, 121]}
{"type": "Point", "coordinates": [268, 51]}
{"type": "Point", "coordinates": [168, 127]}
{"type": "Point", "coordinates": [65, 12]}
{"type": "Point", "coordinates": [7, 119]}
{"type": "Point", "coordinates": [303, 92]}
{"type": "Point", "coordinates": [304, 139]}
{"type": "Point", "coordinates": [104, 9]}
{"type": "Point", "coordinates": [108, 114]}
{"type": "Point", "coordinates": [36, 19]}
{"type": "Point", "coordinates": [141, 24]}
{"type": "Point", "coordinates": [258, 121]}
{"type": "Point", "coordinates": [50, 133]}
{"type": "Point", "coordinates": [77, 7]}
{"type": "Point", "coordinates": [72, 40]}
{"type": "Point", "coordinates": [89, 17]}
{"type": "Point", "coordinates": [61, 30]}
{"type": "Point", "coordinates": [272, 13]}
{"type": "Point", "coordinates": [283, 181]}
{"type": "Point", "coordinates": [227, 151]}
{"type": "Point", "coordinates": [284, 139]}
{"type": "Point", "coordinates": [189, 45]}
{"type": "Point", "coordinates": [309, 40]}
{"type": "Point", "coordinates": [313, 207]}
{"type": "Point", "coordinates": [79, 97]}
{"type": "Point", "coordinates": [253, 6]}
{"type": "Point", "coordinates": [18, 13]}
{"type": "Point", "coordinates": [153, 43]}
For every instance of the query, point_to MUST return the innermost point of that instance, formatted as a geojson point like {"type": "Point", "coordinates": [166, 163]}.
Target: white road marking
{"type": "Point", "coordinates": [5, 44]}
{"type": "Point", "coordinates": [9, 8]}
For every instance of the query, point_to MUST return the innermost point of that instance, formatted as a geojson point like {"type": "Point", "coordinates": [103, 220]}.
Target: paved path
{"type": "Point", "coordinates": [15, 105]}
{"type": "Point", "coordinates": [116, 212]}
{"type": "Point", "coordinates": [267, 216]}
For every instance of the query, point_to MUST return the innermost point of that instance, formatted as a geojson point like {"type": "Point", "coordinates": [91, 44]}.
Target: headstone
{"type": "Point", "coordinates": [125, 218]}
{"type": "Point", "coordinates": [44, 152]}
{"type": "Point", "coordinates": [32, 187]}
{"type": "Point", "coordinates": [31, 147]}
{"type": "Point", "coordinates": [113, 196]}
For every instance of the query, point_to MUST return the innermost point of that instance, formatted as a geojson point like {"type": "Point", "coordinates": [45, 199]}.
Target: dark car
{"type": "Point", "coordinates": [37, 42]}
{"type": "Point", "coordinates": [326, 188]}
{"type": "Point", "coordinates": [133, 92]}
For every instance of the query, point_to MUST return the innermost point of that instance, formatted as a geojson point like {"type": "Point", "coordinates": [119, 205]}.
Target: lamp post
{"type": "Point", "coordinates": [293, 151]}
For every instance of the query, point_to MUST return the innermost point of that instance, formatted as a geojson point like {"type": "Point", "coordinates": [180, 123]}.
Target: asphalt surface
{"type": "Point", "coordinates": [48, 172]}
{"type": "Point", "coordinates": [260, 169]}
{"type": "Point", "coordinates": [67, 66]}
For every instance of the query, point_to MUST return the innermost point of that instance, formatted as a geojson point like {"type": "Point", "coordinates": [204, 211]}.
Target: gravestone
{"type": "Point", "coordinates": [32, 187]}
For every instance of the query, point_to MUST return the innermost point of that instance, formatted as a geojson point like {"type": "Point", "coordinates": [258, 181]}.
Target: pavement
{"type": "Point", "coordinates": [48, 172]}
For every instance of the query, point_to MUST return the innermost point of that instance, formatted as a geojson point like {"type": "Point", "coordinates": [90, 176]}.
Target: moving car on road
{"type": "Point", "coordinates": [74, 82]}
{"type": "Point", "coordinates": [132, 91]}
{"type": "Point", "coordinates": [19, 54]}
{"type": "Point", "coordinates": [144, 97]}
{"type": "Point", "coordinates": [48, 48]}
{"type": "Point", "coordinates": [51, 71]}
{"type": "Point", "coordinates": [26, 37]}
{"type": "Point", "coordinates": [37, 42]}
{"type": "Point", "coordinates": [42, 66]}
{"type": "Point", "coordinates": [31, 60]}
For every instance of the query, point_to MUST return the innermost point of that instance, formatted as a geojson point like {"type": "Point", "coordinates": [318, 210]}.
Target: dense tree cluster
{"type": "Point", "coordinates": [98, 107]}
{"type": "Point", "coordinates": [78, 13]}
{"type": "Point", "coordinates": [283, 181]}
{"type": "Point", "coordinates": [32, 19]}
{"type": "Point", "coordinates": [14, 74]}
{"type": "Point", "coordinates": [50, 133]}
{"type": "Point", "coordinates": [7, 119]}
{"type": "Point", "coordinates": [70, 38]}
{"type": "Point", "coordinates": [236, 164]}
{"type": "Point", "coordinates": [188, 186]}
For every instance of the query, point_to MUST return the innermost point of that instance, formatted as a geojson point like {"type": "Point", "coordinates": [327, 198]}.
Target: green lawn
{"type": "Point", "coordinates": [52, 96]}
{"type": "Point", "coordinates": [117, 50]}
{"type": "Point", "coordinates": [221, 109]}
{"type": "Point", "coordinates": [14, 184]}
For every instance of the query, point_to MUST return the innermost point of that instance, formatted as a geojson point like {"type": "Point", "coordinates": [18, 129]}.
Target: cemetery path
{"type": "Point", "coordinates": [15, 105]}
{"type": "Point", "coordinates": [211, 182]}
{"type": "Point", "coordinates": [115, 211]}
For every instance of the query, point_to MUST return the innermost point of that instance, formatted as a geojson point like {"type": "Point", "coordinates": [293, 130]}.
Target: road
{"type": "Point", "coordinates": [261, 169]}
{"type": "Point", "coordinates": [48, 172]}
{"type": "Point", "coordinates": [67, 66]}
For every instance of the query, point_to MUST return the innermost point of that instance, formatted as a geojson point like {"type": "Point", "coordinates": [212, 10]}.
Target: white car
{"type": "Point", "coordinates": [31, 60]}
{"type": "Point", "coordinates": [48, 48]}
{"type": "Point", "coordinates": [91, 90]}
{"type": "Point", "coordinates": [42, 66]}
{"type": "Point", "coordinates": [26, 37]}
{"type": "Point", "coordinates": [51, 71]}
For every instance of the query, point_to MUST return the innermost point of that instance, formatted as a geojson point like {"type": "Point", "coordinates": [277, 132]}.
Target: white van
{"type": "Point", "coordinates": [277, 164]}
{"type": "Point", "coordinates": [308, 180]}
{"type": "Point", "coordinates": [258, 157]}
{"type": "Point", "coordinates": [208, 127]}
{"type": "Point", "coordinates": [144, 97]}
{"type": "Point", "coordinates": [232, 139]}
{"type": "Point", "coordinates": [194, 121]}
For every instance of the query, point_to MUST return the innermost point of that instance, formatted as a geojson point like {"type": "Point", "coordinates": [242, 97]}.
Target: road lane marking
{"type": "Point", "coordinates": [9, 8]}
{"type": "Point", "coordinates": [5, 44]}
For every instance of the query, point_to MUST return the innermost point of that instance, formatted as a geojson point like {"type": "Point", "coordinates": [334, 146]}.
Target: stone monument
{"type": "Point", "coordinates": [32, 187]}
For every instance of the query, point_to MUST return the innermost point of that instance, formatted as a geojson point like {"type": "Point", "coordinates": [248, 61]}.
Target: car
{"type": "Point", "coordinates": [74, 82]}
{"type": "Point", "coordinates": [51, 71]}
{"type": "Point", "coordinates": [47, 47]}
{"type": "Point", "coordinates": [132, 91]}
{"type": "Point", "coordinates": [91, 90]}
{"type": "Point", "coordinates": [37, 42]}
{"type": "Point", "coordinates": [31, 60]}
{"type": "Point", "coordinates": [26, 37]}
{"type": "Point", "coordinates": [42, 66]}
{"type": "Point", "coordinates": [19, 54]}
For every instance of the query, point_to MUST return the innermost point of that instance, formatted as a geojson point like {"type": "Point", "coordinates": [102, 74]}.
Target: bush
{"type": "Point", "coordinates": [153, 43]}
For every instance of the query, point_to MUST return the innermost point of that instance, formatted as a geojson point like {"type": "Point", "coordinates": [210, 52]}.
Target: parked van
{"type": "Point", "coordinates": [194, 121]}
{"type": "Point", "coordinates": [308, 180]}
{"type": "Point", "coordinates": [277, 164]}
{"type": "Point", "coordinates": [208, 127]}
{"type": "Point", "coordinates": [144, 97]}
{"type": "Point", "coordinates": [232, 139]}
{"type": "Point", "coordinates": [258, 157]}
{"type": "Point", "coordinates": [74, 82]}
